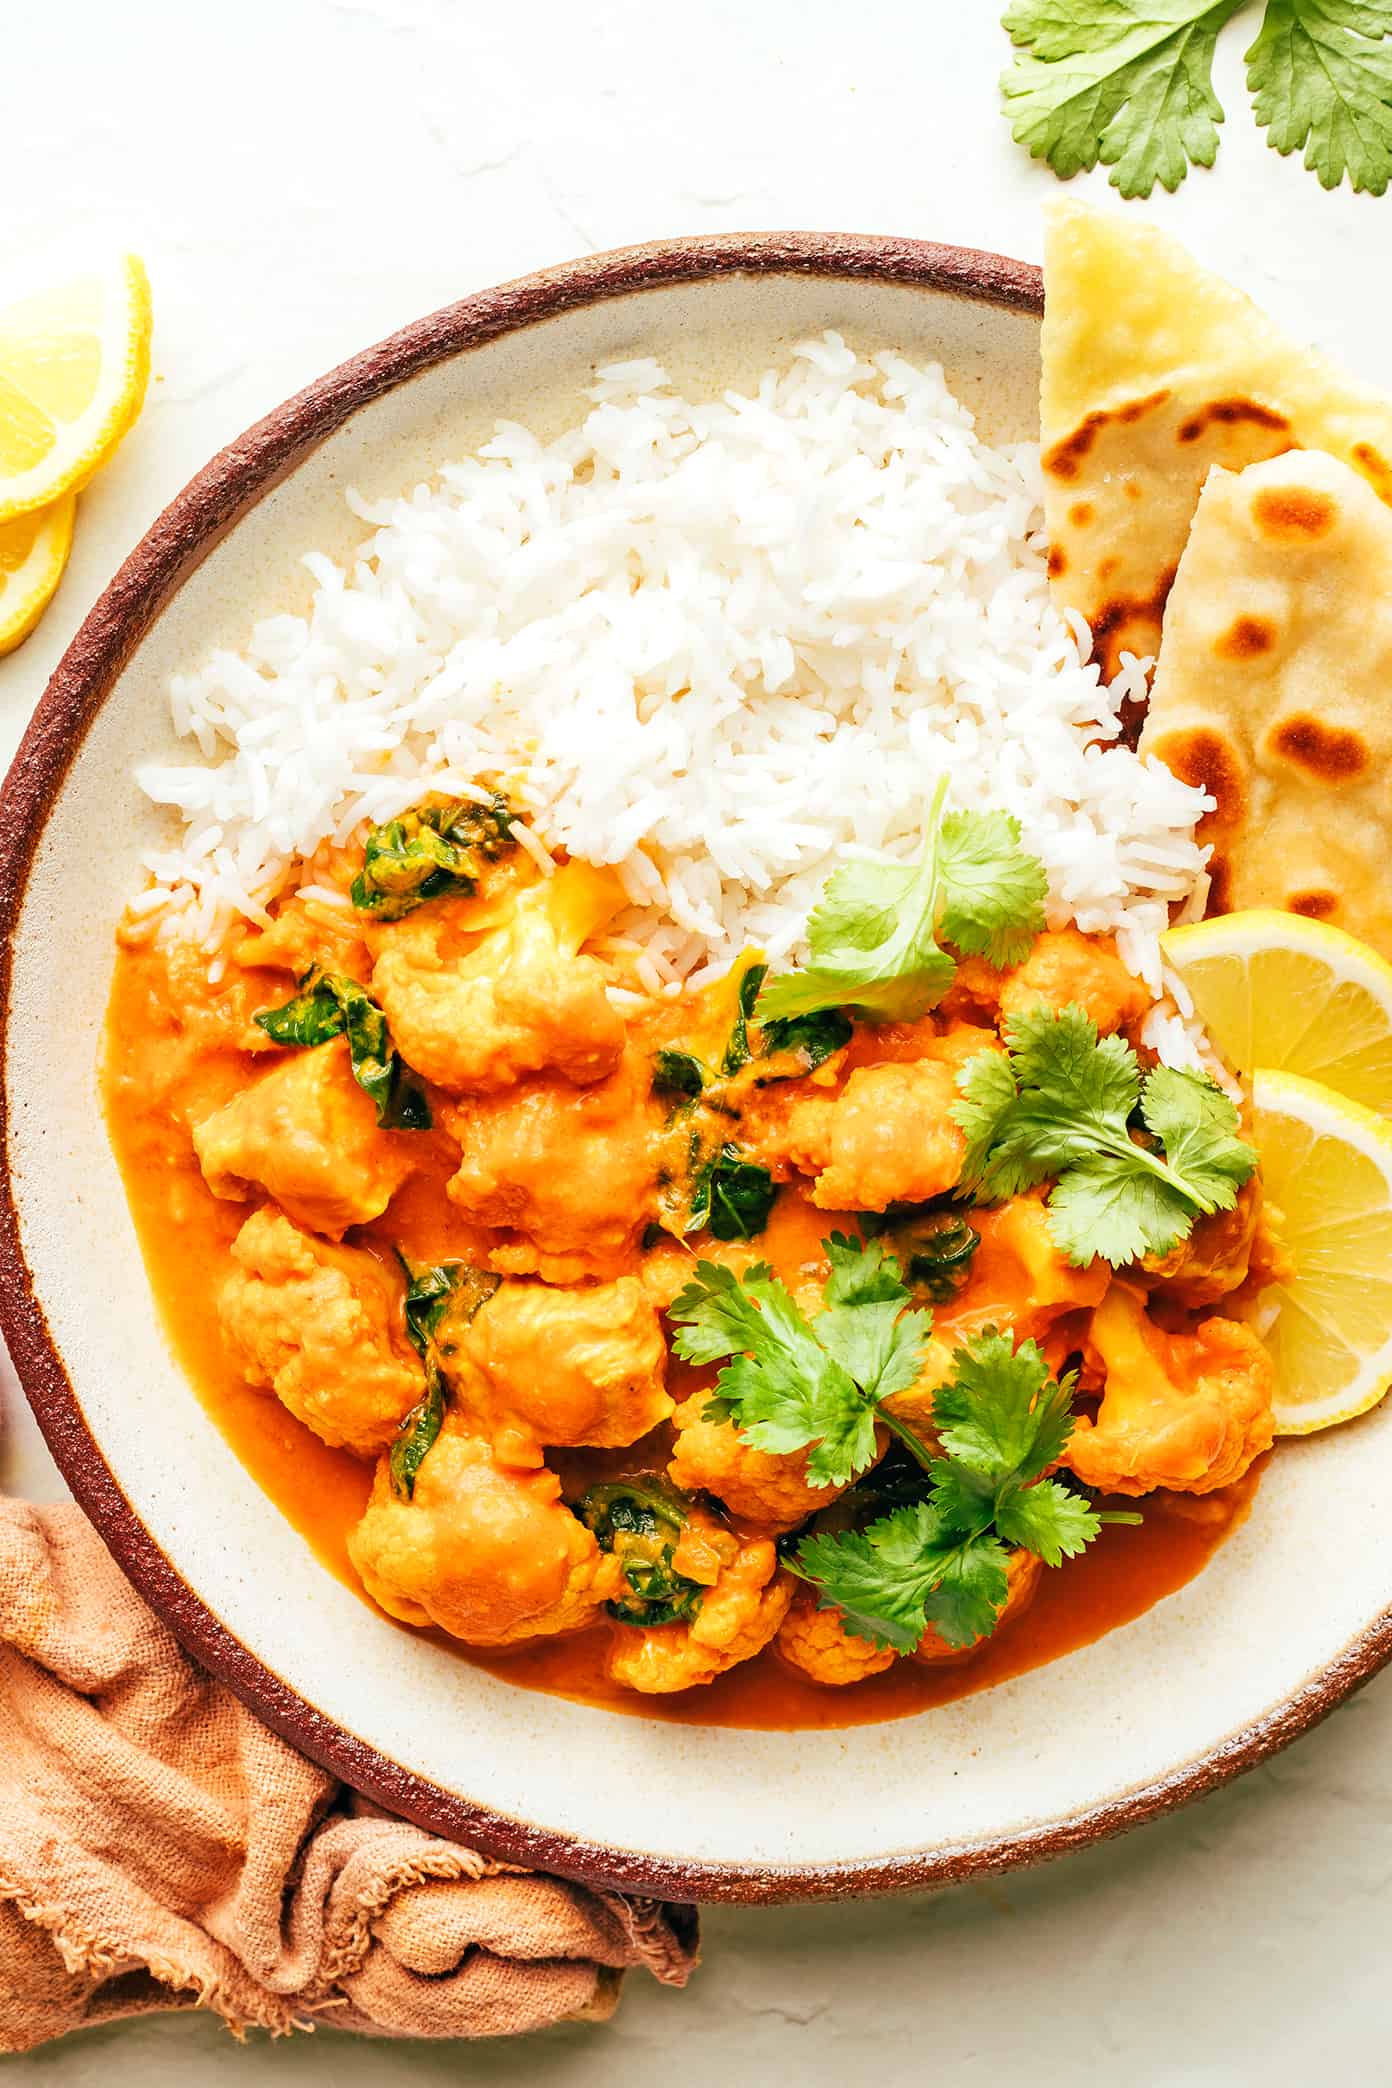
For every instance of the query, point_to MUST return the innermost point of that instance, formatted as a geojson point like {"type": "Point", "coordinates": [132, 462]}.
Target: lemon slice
{"type": "Point", "coordinates": [74, 363]}
{"type": "Point", "coordinates": [1327, 1167]}
{"type": "Point", "coordinates": [33, 552]}
{"type": "Point", "coordinates": [1275, 989]}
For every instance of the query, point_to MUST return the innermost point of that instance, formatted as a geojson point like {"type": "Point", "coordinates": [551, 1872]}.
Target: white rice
{"type": "Point", "coordinates": [723, 644]}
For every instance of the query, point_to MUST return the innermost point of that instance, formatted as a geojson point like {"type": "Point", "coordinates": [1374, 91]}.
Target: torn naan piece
{"type": "Point", "coordinates": [1153, 372]}
{"type": "Point", "coordinates": [1273, 690]}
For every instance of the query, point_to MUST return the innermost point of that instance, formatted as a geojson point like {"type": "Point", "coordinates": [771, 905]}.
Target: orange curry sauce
{"type": "Point", "coordinates": [170, 1060]}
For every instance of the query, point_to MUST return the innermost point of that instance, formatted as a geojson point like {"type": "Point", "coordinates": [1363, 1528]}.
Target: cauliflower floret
{"type": "Point", "coordinates": [1022, 1571]}
{"type": "Point", "coordinates": [816, 1642]}
{"type": "Point", "coordinates": [1185, 1411]}
{"type": "Point", "coordinates": [489, 1554]}
{"type": "Point", "coordinates": [1067, 969]}
{"type": "Point", "coordinates": [1019, 1279]}
{"type": "Point", "coordinates": [1215, 1258]}
{"type": "Point", "coordinates": [914, 1405]}
{"type": "Point", "coordinates": [573, 1169]}
{"type": "Point", "coordinates": [886, 1138]}
{"type": "Point", "coordinates": [736, 1620]}
{"type": "Point", "coordinates": [518, 1000]}
{"type": "Point", "coordinates": [317, 1325]}
{"type": "Point", "coordinates": [766, 1487]}
{"type": "Point", "coordinates": [975, 992]}
{"type": "Point", "coordinates": [303, 934]}
{"type": "Point", "coordinates": [307, 1135]}
{"type": "Point", "coordinates": [581, 1365]}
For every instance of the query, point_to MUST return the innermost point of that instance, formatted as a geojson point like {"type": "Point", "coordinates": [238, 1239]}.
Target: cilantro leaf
{"type": "Point", "coordinates": [1048, 1519]}
{"type": "Point", "coordinates": [1070, 1118]}
{"type": "Point", "coordinates": [865, 1326]}
{"type": "Point", "coordinates": [1197, 1124]}
{"type": "Point", "coordinates": [986, 1102]}
{"type": "Point", "coordinates": [783, 1388]}
{"type": "Point", "coordinates": [1103, 1207]}
{"type": "Point", "coordinates": [1000, 1413]}
{"type": "Point", "coordinates": [873, 948]}
{"type": "Point", "coordinates": [905, 1571]}
{"type": "Point", "coordinates": [993, 892]}
{"type": "Point", "coordinates": [966, 1601]}
{"type": "Point", "coordinates": [874, 934]}
{"type": "Point", "coordinates": [1126, 82]}
{"type": "Point", "coordinates": [1320, 75]}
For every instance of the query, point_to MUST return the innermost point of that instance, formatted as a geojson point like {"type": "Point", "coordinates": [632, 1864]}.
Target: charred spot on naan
{"type": "Point", "coordinates": [1293, 514]}
{"type": "Point", "coordinates": [1246, 638]}
{"type": "Point", "coordinates": [1315, 905]}
{"type": "Point", "coordinates": [1212, 761]}
{"type": "Point", "coordinates": [1064, 460]}
{"type": "Point", "coordinates": [1328, 753]}
{"type": "Point", "coordinates": [1219, 885]}
{"type": "Point", "coordinates": [1375, 469]}
{"type": "Point", "coordinates": [1230, 413]}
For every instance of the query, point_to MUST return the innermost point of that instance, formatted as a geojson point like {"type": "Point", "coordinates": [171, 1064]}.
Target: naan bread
{"type": "Point", "coordinates": [1154, 371]}
{"type": "Point", "coordinates": [1273, 690]}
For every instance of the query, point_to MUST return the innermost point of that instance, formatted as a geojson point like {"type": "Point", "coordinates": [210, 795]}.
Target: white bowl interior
{"type": "Point", "coordinates": [1276, 1604]}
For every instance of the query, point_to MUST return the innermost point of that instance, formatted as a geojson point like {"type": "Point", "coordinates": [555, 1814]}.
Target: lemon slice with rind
{"type": "Point", "coordinates": [33, 552]}
{"type": "Point", "coordinates": [74, 363]}
{"type": "Point", "coordinates": [1276, 989]}
{"type": "Point", "coordinates": [1326, 1166]}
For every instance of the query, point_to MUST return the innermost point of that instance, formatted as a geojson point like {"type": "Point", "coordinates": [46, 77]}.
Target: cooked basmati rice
{"type": "Point", "coordinates": [723, 644]}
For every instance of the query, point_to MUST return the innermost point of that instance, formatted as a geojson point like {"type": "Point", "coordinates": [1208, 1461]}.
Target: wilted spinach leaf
{"type": "Point", "coordinates": [330, 1005]}
{"type": "Point", "coordinates": [430, 1292]}
{"type": "Point", "coordinates": [416, 1436]}
{"type": "Point", "coordinates": [813, 1037]}
{"type": "Point", "coordinates": [732, 1197]}
{"type": "Point", "coordinates": [430, 853]}
{"type": "Point", "coordinates": [640, 1522]}
{"type": "Point", "coordinates": [678, 1073]}
{"type": "Point", "coordinates": [737, 1052]}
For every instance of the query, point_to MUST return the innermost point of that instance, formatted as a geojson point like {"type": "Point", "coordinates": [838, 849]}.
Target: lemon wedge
{"type": "Point", "coordinates": [1275, 989]}
{"type": "Point", "coordinates": [33, 552]}
{"type": "Point", "coordinates": [74, 363]}
{"type": "Point", "coordinates": [1327, 1167]}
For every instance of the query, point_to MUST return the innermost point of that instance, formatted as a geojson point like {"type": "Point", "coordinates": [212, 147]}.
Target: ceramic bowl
{"type": "Point", "coordinates": [1290, 1615]}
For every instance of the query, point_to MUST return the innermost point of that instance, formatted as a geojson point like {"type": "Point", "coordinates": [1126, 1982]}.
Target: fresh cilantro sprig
{"type": "Point", "coordinates": [1129, 83]}
{"type": "Point", "coordinates": [1136, 1159]}
{"type": "Point", "coordinates": [796, 1384]}
{"type": "Point", "coordinates": [1320, 74]}
{"type": "Point", "coordinates": [942, 1561]}
{"type": "Point", "coordinates": [877, 932]}
{"type": "Point", "coordinates": [819, 1385]}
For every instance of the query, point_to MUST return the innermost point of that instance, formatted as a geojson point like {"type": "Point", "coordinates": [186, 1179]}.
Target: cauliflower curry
{"type": "Point", "coordinates": [637, 1341]}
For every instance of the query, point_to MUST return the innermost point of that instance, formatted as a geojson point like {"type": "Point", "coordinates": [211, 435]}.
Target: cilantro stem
{"type": "Point", "coordinates": [1154, 1163]}
{"type": "Point", "coordinates": [901, 1429]}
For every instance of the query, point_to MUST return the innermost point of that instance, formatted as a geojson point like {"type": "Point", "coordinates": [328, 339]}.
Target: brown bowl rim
{"type": "Point", "coordinates": [227, 487]}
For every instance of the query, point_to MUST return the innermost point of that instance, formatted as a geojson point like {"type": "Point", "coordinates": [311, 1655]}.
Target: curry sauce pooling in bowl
{"type": "Point", "coordinates": [668, 1351]}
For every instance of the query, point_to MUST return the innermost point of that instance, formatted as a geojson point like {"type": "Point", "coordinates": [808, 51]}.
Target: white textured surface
{"type": "Point", "coordinates": [302, 176]}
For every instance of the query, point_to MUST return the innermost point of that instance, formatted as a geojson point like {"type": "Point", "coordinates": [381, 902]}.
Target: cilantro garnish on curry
{"type": "Point", "coordinates": [803, 1317]}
